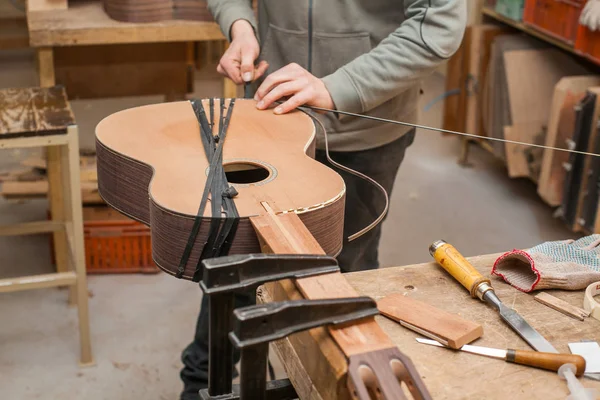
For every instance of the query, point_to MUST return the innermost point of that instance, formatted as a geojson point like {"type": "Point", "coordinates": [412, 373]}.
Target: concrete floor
{"type": "Point", "coordinates": [141, 323]}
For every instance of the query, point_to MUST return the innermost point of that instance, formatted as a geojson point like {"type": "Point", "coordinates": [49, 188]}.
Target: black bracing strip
{"type": "Point", "coordinates": [218, 188]}
{"type": "Point", "coordinates": [208, 146]}
{"type": "Point", "coordinates": [215, 185]}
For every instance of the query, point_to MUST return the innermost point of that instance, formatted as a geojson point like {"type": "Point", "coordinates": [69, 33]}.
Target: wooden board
{"type": "Point", "coordinates": [567, 93]}
{"type": "Point", "coordinates": [450, 375]}
{"type": "Point", "coordinates": [85, 23]}
{"type": "Point", "coordinates": [586, 185]}
{"type": "Point", "coordinates": [479, 58]}
{"type": "Point", "coordinates": [531, 77]}
{"type": "Point", "coordinates": [34, 112]}
{"type": "Point", "coordinates": [522, 161]}
{"type": "Point", "coordinates": [456, 75]}
{"type": "Point", "coordinates": [452, 329]}
{"type": "Point", "coordinates": [39, 189]}
{"type": "Point", "coordinates": [497, 100]}
{"type": "Point", "coordinates": [123, 70]}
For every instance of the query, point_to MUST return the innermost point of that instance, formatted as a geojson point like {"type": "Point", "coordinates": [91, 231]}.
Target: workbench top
{"type": "Point", "coordinates": [458, 375]}
{"type": "Point", "coordinates": [86, 23]}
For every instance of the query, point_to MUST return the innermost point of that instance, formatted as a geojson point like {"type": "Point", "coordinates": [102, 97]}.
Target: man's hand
{"type": "Point", "coordinates": [238, 61]}
{"type": "Point", "coordinates": [294, 82]}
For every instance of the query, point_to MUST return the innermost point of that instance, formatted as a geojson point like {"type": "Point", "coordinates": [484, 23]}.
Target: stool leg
{"type": "Point", "coordinates": [45, 66]}
{"type": "Point", "coordinates": [57, 209]}
{"type": "Point", "coordinates": [74, 216]}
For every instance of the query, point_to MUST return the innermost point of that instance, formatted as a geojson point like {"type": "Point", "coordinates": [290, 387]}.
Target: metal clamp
{"type": "Point", "coordinates": [223, 277]}
{"type": "Point", "coordinates": [256, 326]}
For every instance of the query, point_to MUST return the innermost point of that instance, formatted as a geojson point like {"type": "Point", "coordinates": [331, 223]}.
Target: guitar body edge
{"type": "Point", "coordinates": [123, 183]}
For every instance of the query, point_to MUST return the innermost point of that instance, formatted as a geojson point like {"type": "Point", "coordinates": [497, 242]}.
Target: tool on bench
{"type": "Point", "coordinates": [578, 392]}
{"type": "Point", "coordinates": [479, 287]}
{"type": "Point", "coordinates": [549, 361]}
{"type": "Point", "coordinates": [222, 278]}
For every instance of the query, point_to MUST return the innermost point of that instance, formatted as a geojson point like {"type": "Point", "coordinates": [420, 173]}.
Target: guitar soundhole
{"type": "Point", "coordinates": [245, 173]}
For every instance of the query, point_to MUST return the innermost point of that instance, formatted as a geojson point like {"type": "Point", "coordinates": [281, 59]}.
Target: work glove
{"type": "Point", "coordinates": [568, 265]}
{"type": "Point", "coordinates": [590, 16]}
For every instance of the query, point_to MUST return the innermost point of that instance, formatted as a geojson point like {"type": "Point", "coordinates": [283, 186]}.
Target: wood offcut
{"type": "Point", "coordinates": [561, 306]}
{"type": "Point", "coordinates": [34, 112]}
{"type": "Point", "coordinates": [432, 322]}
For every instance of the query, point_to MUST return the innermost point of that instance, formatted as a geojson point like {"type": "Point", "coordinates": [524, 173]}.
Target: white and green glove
{"type": "Point", "coordinates": [568, 265]}
{"type": "Point", "coordinates": [590, 16]}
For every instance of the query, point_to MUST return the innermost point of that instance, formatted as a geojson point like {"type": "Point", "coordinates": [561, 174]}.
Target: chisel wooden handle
{"type": "Point", "coordinates": [549, 361]}
{"type": "Point", "coordinates": [452, 261]}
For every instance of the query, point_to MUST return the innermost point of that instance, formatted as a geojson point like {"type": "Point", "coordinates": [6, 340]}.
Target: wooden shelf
{"type": "Point", "coordinates": [531, 31]}
{"type": "Point", "coordinates": [86, 23]}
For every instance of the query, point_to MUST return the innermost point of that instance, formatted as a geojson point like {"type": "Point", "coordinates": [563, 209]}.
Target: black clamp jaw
{"type": "Point", "coordinates": [257, 326]}
{"type": "Point", "coordinates": [222, 279]}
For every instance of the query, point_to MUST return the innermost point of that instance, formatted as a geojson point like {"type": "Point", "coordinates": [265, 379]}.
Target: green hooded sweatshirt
{"type": "Point", "coordinates": [371, 54]}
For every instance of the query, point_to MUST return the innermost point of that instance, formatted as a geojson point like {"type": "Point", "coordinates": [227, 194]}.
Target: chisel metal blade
{"type": "Point", "coordinates": [519, 325]}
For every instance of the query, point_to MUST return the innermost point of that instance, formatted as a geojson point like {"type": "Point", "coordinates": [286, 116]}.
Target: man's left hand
{"type": "Point", "coordinates": [300, 86]}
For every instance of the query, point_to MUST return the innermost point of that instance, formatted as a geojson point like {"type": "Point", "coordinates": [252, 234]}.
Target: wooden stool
{"type": "Point", "coordinates": [42, 117]}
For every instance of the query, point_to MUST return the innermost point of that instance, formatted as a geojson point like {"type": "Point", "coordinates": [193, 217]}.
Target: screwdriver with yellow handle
{"type": "Point", "coordinates": [480, 287]}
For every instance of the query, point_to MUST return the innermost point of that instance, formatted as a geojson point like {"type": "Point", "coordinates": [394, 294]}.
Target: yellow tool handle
{"type": "Point", "coordinates": [452, 261]}
{"type": "Point", "coordinates": [549, 361]}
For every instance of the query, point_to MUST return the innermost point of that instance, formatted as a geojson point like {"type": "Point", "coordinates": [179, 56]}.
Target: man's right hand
{"type": "Point", "coordinates": [238, 61]}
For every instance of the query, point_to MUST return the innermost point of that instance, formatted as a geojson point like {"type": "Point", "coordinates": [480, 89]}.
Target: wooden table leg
{"type": "Point", "coordinates": [74, 222]}
{"type": "Point", "coordinates": [45, 65]}
{"type": "Point", "coordinates": [230, 89]}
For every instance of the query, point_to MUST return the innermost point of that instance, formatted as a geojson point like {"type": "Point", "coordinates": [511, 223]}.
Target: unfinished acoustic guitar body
{"type": "Point", "coordinates": [152, 167]}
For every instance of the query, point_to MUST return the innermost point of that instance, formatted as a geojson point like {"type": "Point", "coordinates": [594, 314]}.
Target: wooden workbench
{"type": "Point", "coordinates": [457, 375]}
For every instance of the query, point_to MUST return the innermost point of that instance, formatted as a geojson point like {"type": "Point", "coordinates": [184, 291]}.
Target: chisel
{"type": "Point", "coordinates": [549, 361]}
{"type": "Point", "coordinates": [454, 263]}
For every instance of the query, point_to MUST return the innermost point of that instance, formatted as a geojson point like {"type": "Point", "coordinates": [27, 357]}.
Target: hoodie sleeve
{"type": "Point", "coordinates": [226, 12]}
{"type": "Point", "coordinates": [431, 33]}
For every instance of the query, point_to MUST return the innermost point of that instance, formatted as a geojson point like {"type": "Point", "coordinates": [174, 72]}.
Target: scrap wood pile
{"type": "Point", "coordinates": [30, 179]}
{"type": "Point", "coordinates": [518, 88]}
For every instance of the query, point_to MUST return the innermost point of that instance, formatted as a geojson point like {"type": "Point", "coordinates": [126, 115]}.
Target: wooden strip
{"type": "Point", "coordinates": [37, 282]}
{"type": "Point", "coordinates": [21, 190]}
{"type": "Point", "coordinates": [453, 329]}
{"type": "Point", "coordinates": [561, 306]}
{"type": "Point", "coordinates": [29, 228]}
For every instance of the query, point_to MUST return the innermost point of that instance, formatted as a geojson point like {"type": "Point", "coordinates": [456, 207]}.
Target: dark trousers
{"type": "Point", "coordinates": [363, 204]}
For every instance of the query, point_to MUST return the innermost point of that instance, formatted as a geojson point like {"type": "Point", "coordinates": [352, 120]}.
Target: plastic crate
{"type": "Point", "coordinates": [512, 9]}
{"type": "Point", "coordinates": [588, 43]}
{"type": "Point", "coordinates": [557, 18]}
{"type": "Point", "coordinates": [113, 247]}
{"type": "Point", "coordinates": [114, 243]}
